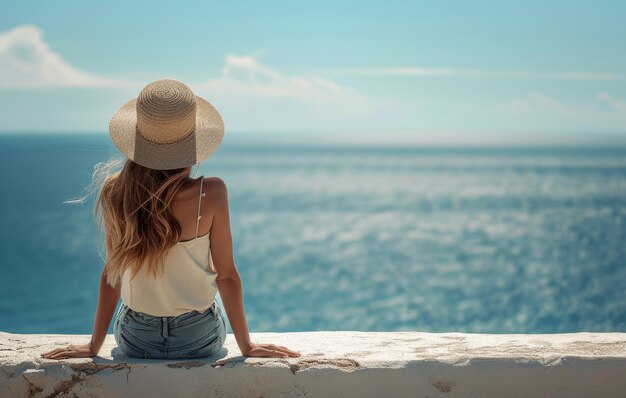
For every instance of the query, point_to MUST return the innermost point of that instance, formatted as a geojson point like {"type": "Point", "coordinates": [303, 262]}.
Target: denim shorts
{"type": "Point", "coordinates": [193, 334]}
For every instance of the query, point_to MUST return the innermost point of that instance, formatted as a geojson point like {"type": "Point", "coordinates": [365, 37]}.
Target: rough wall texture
{"type": "Point", "coordinates": [333, 364]}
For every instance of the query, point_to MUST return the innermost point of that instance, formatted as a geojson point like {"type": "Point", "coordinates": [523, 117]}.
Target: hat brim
{"type": "Point", "coordinates": [193, 149]}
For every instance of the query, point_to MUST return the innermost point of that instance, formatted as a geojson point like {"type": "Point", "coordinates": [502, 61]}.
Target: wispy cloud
{"type": "Point", "coordinates": [254, 96]}
{"type": "Point", "coordinates": [541, 112]}
{"type": "Point", "coordinates": [619, 106]}
{"type": "Point", "coordinates": [533, 102]}
{"type": "Point", "coordinates": [27, 62]}
{"type": "Point", "coordinates": [244, 75]}
{"type": "Point", "coordinates": [478, 73]}
{"type": "Point", "coordinates": [258, 96]}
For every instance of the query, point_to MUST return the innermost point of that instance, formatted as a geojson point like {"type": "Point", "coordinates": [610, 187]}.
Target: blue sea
{"type": "Point", "coordinates": [333, 237]}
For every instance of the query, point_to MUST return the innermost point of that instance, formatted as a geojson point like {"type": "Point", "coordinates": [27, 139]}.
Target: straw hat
{"type": "Point", "coordinates": [167, 127]}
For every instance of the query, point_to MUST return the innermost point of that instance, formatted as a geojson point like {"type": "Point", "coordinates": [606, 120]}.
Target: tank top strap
{"type": "Point", "coordinates": [199, 202]}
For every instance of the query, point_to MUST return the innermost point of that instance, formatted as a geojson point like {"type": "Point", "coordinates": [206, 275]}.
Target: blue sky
{"type": "Point", "coordinates": [429, 71]}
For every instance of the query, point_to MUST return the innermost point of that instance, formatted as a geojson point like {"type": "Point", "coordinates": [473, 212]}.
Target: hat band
{"type": "Point", "coordinates": [184, 137]}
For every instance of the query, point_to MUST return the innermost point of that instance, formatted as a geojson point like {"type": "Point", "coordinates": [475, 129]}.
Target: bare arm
{"type": "Point", "coordinates": [108, 297]}
{"type": "Point", "coordinates": [229, 281]}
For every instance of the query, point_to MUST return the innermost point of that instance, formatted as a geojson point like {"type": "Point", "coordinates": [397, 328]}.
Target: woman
{"type": "Point", "coordinates": [167, 236]}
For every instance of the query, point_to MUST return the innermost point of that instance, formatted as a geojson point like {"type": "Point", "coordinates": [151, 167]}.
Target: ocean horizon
{"type": "Point", "coordinates": [476, 239]}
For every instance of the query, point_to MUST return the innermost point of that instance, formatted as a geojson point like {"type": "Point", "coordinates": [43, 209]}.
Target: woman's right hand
{"type": "Point", "coordinates": [268, 350]}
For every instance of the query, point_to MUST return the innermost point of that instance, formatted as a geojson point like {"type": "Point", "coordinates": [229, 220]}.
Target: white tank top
{"type": "Point", "coordinates": [188, 280]}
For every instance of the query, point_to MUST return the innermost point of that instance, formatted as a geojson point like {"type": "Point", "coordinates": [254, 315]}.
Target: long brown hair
{"type": "Point", "coordinates": [134, 204]}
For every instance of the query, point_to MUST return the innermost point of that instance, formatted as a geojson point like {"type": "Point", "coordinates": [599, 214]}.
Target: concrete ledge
{"type": "Point", "coordinates": [333, 364]}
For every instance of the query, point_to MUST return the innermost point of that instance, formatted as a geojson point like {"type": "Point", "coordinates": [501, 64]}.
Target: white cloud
{"type": "Point", "coordinates": [257, 97]}
{"type": "Point", "coordinates": [540, 112]}
{"type": "Point", "coordinates": [250, 95]}
{"type": "Point", "coordinates": [27, 62]}
{"type": "Point", "coordinates": [533, 102]}
{"type": "Point", "coordinates": [245, 76]}
{"type": "Point", "coordinates": [477, 73]}
{"type": "Point", "coordinates": [619, 106]}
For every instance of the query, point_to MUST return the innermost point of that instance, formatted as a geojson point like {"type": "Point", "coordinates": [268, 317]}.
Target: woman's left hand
{"type": "Point", "coordinates": [70, 351]}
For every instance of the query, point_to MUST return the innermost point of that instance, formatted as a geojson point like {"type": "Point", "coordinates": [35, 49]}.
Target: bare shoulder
{"type": "Point", "coordinates": [214, 182]}
{"type": "Point", "coordinates": [217, 200]}
{"type": "Point", "coordinates": [215, 190]}
{"type": "Point", "coordinates": [214, 185]}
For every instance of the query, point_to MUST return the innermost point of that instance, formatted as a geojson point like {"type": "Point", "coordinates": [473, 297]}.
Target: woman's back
{"type": "Point", "coordinates": [188, 279]}
{"type": "Point", "coordinates": [184, 208]}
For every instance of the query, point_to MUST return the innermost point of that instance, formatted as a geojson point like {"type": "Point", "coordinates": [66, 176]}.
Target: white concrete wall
{"type": "Point", "coordinates": [333, 364]}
